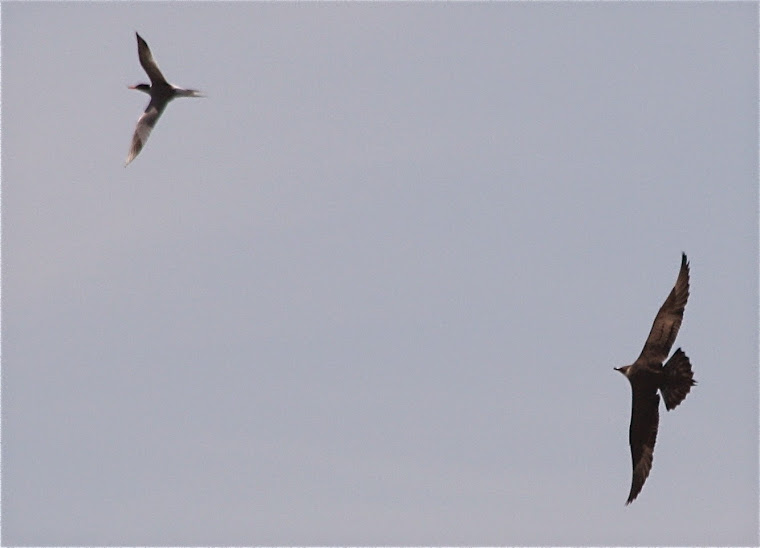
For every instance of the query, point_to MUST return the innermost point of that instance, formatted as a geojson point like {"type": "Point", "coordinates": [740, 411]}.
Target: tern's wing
{"type": "Point", "coordinates": [147, 62]}
{"type": "Point", "coordinates": [668, 319]}
{"type": "Point", "coordinates": [144, 127]}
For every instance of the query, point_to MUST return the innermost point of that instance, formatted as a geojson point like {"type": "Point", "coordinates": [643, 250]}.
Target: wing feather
{"type": "Point", "coordinates": [668, 320]}
{"type": "Point", "coordinates": [145, 125]}
{"type": "Point", "coordinates": [148, 63]}
{"type": "Point", "coordinates": [645, 419]}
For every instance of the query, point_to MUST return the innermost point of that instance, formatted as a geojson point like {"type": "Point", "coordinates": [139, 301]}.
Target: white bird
{"type": "Point", "coordinates": [160, 91]}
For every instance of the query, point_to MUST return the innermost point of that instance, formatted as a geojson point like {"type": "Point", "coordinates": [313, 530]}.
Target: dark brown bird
{"type": "Point", "coordinates": [160, 91]}
{"type": "Point", "coordinates": [647, 375]}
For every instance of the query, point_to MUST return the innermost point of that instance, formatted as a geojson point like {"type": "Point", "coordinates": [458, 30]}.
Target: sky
{"type": "Point", "coordinates": [372, 288]}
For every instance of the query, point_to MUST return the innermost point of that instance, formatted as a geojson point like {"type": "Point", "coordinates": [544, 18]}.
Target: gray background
{"type": "Point", "coordinates": [371, 289]}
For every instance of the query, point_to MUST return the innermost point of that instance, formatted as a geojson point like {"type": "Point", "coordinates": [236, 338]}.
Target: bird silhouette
{"type": "Point", "coordinates": [647, 375]}
{"type": "Point", "coordinates": [160, 91]}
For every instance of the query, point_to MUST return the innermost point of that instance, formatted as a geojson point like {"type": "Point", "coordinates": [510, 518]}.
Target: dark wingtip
{"type": "Point", "coordinates": [684, 268]}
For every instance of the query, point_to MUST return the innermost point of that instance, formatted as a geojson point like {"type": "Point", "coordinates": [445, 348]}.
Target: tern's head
{"type": "Point", "coordinates": [623, 370]}
{"type": "Point", "coordinates": [141, 87]}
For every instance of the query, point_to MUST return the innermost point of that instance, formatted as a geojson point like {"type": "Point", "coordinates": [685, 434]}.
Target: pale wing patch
{"type": "Point", "coordinates": [142, 132]}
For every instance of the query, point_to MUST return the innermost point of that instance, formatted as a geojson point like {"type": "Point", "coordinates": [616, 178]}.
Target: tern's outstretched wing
{"type": "Point", "coordinates": [147, 62]}
{"type": "Point", "coordinates": [144, 127]}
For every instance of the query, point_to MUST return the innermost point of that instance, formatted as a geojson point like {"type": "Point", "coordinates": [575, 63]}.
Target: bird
{"type": "Point", "coordinates": [160, 91]}
{"type": "Point", "coordinates": [647, 375]}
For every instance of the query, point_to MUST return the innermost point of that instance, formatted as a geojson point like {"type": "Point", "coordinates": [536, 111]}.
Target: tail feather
{"type": "Point", "coordinates": [678, 379]}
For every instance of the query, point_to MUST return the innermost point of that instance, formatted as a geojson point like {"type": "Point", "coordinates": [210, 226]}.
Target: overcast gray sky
{"type": "Point", "coordinates": [372, 288]}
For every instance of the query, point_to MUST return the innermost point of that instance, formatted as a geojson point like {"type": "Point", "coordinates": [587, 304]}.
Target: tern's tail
{"type": "Point", "coordinates": [678, 379]}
